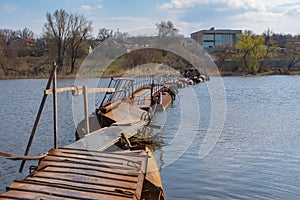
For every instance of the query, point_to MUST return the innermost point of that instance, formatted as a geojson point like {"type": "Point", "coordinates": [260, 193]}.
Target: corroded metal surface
{"type": "Point", "coordinates": [80, 174]}
{"type": "Point", "coordinates": [125, 113]}
{"type": "Point", "coordinates": [104, 138]}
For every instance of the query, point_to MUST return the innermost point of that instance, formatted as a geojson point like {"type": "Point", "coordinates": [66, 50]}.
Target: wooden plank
{"type": "Point", "coordinates": [78, 174]}
{"type": "Point", "coordinates": [83, 182]}
{"type": "Point", "coordinates": [79, 90]}
{"type": "Point", "coordinates": [67, 191]}
{"type": "Point", "coordinates": [137, 155]}
{"type": "Point", "coordinates": [94, 90]}
{"type": "Point", "coordinates": [74, 162]}
{"type": "Point", "coordinates": [103, 159]}
{"type": "Point", "coordinates": [25, 195]}
{"type": "Point", "coordinates": [88, 172]}
{"type": "Point", "coordinates": [45, 164]}
{"type": "Point", "coordinates": [22, 157]}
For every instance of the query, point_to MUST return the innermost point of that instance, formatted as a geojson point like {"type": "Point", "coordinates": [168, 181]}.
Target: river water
{"type": "Point", "coordinates": [255, 154]}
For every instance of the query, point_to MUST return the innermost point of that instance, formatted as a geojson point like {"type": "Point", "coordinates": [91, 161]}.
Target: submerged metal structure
{"type": "Point", "coordinates": [102, 163]}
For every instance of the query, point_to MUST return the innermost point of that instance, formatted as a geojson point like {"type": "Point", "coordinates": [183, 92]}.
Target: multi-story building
{"type": "Point", "coordinates": [217, 37]}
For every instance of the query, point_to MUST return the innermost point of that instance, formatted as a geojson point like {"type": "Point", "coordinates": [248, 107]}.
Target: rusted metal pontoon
{"type": "Point", "coordinates": [67, 173]}
{"type": "Point", "coordinates": [133, 101]}
{"type": "Point", "coordinates": [194, 76]}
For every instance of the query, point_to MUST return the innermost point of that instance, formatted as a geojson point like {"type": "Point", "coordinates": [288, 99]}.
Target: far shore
{"type": "Point", "coordinates": [223, 74]}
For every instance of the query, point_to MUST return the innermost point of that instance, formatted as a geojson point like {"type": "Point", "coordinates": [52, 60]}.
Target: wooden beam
{"type": "Point", "coordinates": [94, 90]}
{"type": "Point", "coordinates": [58, 90]}
{"type": "Point", "coordinates": [80, 88]}
{"type": "Point", "coordinates": [22, 157]}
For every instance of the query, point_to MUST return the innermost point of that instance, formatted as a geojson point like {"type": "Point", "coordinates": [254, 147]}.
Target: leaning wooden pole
{"type": "Point", "coordinates": [38, 116]}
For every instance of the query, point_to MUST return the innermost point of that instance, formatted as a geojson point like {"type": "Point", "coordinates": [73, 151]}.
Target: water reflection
{"type": "Point", "coordinates": [256, 156]}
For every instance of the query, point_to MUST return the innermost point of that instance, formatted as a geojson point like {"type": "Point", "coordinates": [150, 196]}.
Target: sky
{"type": "Point", "coordinates": [280, 16]}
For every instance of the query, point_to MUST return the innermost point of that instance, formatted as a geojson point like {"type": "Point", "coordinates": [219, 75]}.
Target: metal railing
{"type": "Point", "coordinates": [125, 87]}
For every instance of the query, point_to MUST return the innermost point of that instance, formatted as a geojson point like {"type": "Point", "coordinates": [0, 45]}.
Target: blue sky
{"type": "Point", "coordinates": [281, 16]}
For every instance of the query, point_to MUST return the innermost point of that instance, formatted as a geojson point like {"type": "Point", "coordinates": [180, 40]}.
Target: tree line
{"type": "Point", "coordinates": [253, 53]}
{"type": "Point", "coordinates": [67, 39]}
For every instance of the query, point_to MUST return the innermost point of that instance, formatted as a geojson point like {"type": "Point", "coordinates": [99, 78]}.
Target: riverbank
{"type": "Point", "coordinates": [266, 73]}
{"type": "Point", "coordinates": [223, 74]}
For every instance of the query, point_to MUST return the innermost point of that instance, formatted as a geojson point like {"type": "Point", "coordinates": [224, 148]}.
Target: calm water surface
{"type": "Point", "coordinates": [257, 155]}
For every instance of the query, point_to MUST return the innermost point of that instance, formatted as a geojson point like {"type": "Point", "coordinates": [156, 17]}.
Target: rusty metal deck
{"type": "Point", "coordinates": [104, 138]}
{"type": "Point", "coordinates": [67, 173]}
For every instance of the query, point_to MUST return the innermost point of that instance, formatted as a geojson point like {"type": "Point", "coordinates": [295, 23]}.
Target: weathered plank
{"type": "Point", "coordinates": [79, 89]}
{"type": "Point", "coordinates": [79, 174]}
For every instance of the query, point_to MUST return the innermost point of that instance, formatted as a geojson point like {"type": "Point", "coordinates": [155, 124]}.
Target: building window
{"type": "Point", "coordinates": [208, 37]}
{"type": "Point", "coordinates": [228, 40]}
{"type": "Point", "coordinates": [224, 39]}
{"type": "Point", "coordinates": [208, 44]}
{"type": "Point", "coordinates": [219, 39]}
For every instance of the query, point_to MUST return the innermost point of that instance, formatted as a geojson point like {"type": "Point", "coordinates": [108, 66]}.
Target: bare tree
{"type": "Point", "coordinates": [2, 52]}
{"type": "Point", "coordinates": [104, 34]}
{"type": "Point", "coordinates": [293, 51]}
{"type": "Point", "coordinates": [80, 29]}
{"type": "Point", "coordinates": [57, 30]}
{"type": "Point", "coordinates": [26, 33]}
{"type": "Point", "coordinates": [269, 43]}
{"type": "Point", "coordinates": [166, 29]}
{"type": "Point", "coordinates": [120, 35]}
{"type": "Point", "coordinates": [9, 35]}
{"type": "Point", "coordinates": [8, 52]}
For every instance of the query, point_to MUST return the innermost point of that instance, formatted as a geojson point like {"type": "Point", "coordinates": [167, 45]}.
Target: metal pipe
{"type": "Point", "coordinates": [151, 92]}
{"type": "Point", "coordinates": [86, 109]}
{"type": "Point", "coordinates": [132, 89]}
{"type": "Point", "coordinates": [55, 129]}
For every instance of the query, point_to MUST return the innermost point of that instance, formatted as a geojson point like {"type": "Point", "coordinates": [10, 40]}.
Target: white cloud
{"type": "Point", "coordinates": [179, 4]}
{"type": "Point", "coordinates": [256, 15]}
{"type": "Point", "coordinates": [261, 5]}
{"type": "Point", "coordinates": [90, 7]}
{"type": "Point", "coordinates": [186, 28]}
{"type": "Point", "coordinates": [251, 4]}
{"type": "Point", "coordinates": [132, 25]}
{"type": "Point", "coordinates": [86, 7]}
{"type": "Point", "coordinates": [182, 4]}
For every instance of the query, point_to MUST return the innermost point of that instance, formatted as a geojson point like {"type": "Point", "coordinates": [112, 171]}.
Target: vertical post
{"type": "Point", "coordinates": [160, 98]}
{"type": "Point", "coordinates": [55, 110]}
{"type": "Point", "coordinates": [151, 92]}
{"type": "Point", "coordinates": [86, 109]}
{"type": "Point", "coordinates": [132, 88]}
